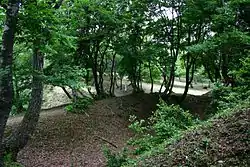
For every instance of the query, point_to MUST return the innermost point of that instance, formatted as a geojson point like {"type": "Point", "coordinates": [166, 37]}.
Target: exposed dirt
{"type": "Point", "coordinates": [64, 139]}
{"type": "Point", "coordinates": [226, 143]}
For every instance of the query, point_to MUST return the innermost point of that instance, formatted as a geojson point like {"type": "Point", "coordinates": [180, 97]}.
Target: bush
{"type": "Point", "coordinates": [115, 160]}
{"type": "Point", "coordinates": [166, 122]}
{"type": "Point", "coordinates": [228, 97]}
{"type": "Point", "coordinates": [79, 106]}
{"type": "Point", "coordinates": [9, 163]}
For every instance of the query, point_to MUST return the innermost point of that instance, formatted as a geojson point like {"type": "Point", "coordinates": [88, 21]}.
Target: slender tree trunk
{"type": "Point", "coordinates": [66, 92]}
{"type": "Point", "coordinates": [164, 82]}
{"type": "Point", "coordinates": [98, 91]}
{"type": "Point", "coordinates": [115, 83]}
{"type": "Point", "coordinates": [151, 77]}
{"type": "Point", "coordinates": [112, 77]}
{"type": "Point", "coordinates": [19, 138]}
{"type": "Point", "coordinates": [190, 65]}
{"type": "Point", "coordinates": [139, 78]}
{"type": "Point", "coordinates": [207, 70]}
{"type": "Point", "coordinates": [101, 71]}
{"type": "Point", "coordinates": [121, 78]}
{"type": "Point", "coordinates": [87, 78]}
{"type": "Point", "coordinates": [95, 70]}
{"type": "Point", "coordinates": [6, 61]}
{"type": "Point", "coordinates": [171, 85]}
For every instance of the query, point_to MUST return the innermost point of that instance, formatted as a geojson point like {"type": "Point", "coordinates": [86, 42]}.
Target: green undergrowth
{"type": "Point", "coordinates": [80, 106]}
{"type": "Point", "coordinates": [221, 141]}
{"type": "Point", "coordinates": [173, 137]}
{"type": "Point", "coordinates": [8, 162]}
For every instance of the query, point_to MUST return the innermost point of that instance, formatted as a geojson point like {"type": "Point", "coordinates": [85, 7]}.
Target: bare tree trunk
{"type": "Point", "coordinates": [6, 61]}
{"type": "Point", "coordinates": [151, 77]}
{"type": "Point", "coordinates": [190, 65]}
{"type": "Point", "coordinates": [171, 85]}
{"type": "Point", "coordinates": [19, 138]}
{"type": "Point", "coordinates": [95, 69]}
{"type": "Point", "coordinates": [121, 78]}
{"type": "Point", "coordinates": [207, 70]}
{"type": "Point", "coordinates": [66, 92]}
{"type": "Point", "coordinates": [171, 78]}
{"type": "Point", "coordinates": [101, 71]}
{"type": "Point", "coordinates": [112, 77]}
{"type": "Point", "coordinates": [164, 82]}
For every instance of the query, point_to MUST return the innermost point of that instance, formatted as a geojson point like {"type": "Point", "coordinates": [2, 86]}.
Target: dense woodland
{"type": "Point", "coordinates": [79, 44]}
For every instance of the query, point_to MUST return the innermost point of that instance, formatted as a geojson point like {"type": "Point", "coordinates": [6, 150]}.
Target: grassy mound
{"type": "Point", "coordinates": [224, 142]}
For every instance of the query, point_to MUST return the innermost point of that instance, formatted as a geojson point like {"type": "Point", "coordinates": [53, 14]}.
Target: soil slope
{"type": "Point", "coordinates": [225, 143]}
{"type": "Point", "coordinates": [64, 139]}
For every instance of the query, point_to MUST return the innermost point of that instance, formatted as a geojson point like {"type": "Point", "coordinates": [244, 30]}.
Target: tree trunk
{"type": "Point", "coordinates": [139, 85]}
{"type": "Point", "coordinates": [151, 77]}
{"type": "Point", "coordinates": [95, 70]}
{"type": "Point", "coordinates": [207, 70]}
{"type": "Point", "coordinates": [66, 92]}
{"type": "Point", "coordinates": [6, 61]}
{"type": "Point", "coordinates": [121, 78]}
{"type": "Point", "coordinates": [112, 77]}
{"type": "Point", "coordinates": [164, 82]}
{"type": "Point", "coordinates": [101, 71]}
{"type": "Point", "coordinates": [19, 138]}
{"type": "Point", "coordinates": [171, 85]}
{"type": "Point", "coordinates": [189, 79]}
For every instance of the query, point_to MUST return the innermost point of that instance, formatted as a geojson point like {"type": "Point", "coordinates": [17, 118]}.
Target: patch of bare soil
{"type": "Point", "coordinates": [76, 140]}
{"type": "Point", "coordinates": [225, 143]}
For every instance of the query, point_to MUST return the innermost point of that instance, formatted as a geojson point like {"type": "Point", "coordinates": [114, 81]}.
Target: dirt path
{"type": "Point", "coordinates": [72, 140]}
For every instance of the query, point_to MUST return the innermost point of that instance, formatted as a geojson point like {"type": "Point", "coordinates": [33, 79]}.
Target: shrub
{"type": "Point", "coordinates": [228, 97]}
{"type": "Point", "coordinates": [166, 122]}
{"type": "Point", "coordinates": [165, 125]}
{"type": "Point", "coordinates": [115, 160]}
{"type": "Point", "coordinates": [79, 106]}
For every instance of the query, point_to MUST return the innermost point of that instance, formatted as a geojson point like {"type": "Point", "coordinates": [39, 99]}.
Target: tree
{"type": "Point", "coordinates": [40, 36]}
{"type": "Point", "coordinates": [6, 60]}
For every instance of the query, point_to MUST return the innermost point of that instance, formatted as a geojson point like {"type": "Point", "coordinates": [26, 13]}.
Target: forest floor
{"type": "Point", "coordinates": [64, 139]}
{"type": "Point", "coordinates": [225, 142]}
{"type": "Point", "coordinates": [76, 140]}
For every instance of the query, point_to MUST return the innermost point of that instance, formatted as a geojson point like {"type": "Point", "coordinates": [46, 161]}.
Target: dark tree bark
{"type": "Point", "coordinates": [121, 79]}
{"type": "Point", "coordinates": [19, 138]}
{"type": "Point", "coordinates": [112, 77]}
{"type": "Point", "coordinates": [171, 85]}
{"type": "Point", "coordinates": [164, 81]}
{"type": "Point", "coordinates": [189, 79]}
{"type": "Point", "coordinates": [151, 77]}
{"type": "Point", "coordinates": [6, 61]}
{"type": "Point", "coordinates": [207, 70]}
{"type": "Point", "coordinates": [95, 70]}
{"type": "Point", "coordinates": [66, 92]}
